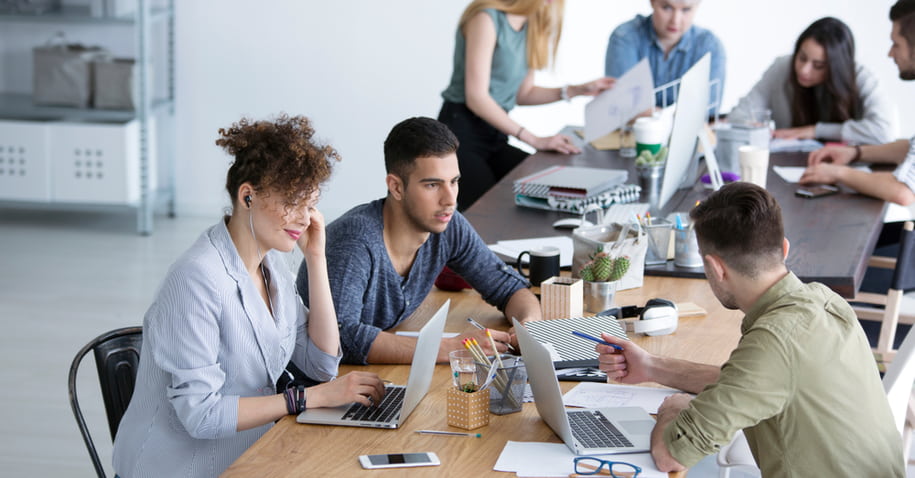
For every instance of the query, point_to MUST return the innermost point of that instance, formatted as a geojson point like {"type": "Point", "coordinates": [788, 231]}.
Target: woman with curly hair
{"type": "Point", "coordinates": [227, 318]}
{"type": "Point", "coordinates": [820, 92]}
{"type": "Point", "coordinates": [498, 46]}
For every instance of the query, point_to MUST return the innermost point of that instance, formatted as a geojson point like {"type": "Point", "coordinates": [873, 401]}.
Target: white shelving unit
{"type": "Point", "coordinates": [62, 157]}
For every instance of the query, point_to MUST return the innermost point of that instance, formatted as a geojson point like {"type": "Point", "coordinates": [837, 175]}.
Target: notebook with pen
{"type": "Point", "coordinates": [569, 350]}
{"type": "Point", "coordinates": [399, 401]}
{"type": "Point", "coordinates": [586, 431]}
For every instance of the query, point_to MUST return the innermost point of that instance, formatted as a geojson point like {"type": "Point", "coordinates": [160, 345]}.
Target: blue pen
{"type": "Point", "coordinates": [595, 339]}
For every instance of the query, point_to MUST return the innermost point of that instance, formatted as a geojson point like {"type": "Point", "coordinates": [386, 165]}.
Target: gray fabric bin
{"type": "Point", "coordinates": [114, 84]}
{"type": "Point", "coordinates": [62, 75]}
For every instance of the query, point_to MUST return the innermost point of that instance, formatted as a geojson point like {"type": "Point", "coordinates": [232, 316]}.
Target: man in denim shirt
{"type": "Point", "coordinates": [671, 43]}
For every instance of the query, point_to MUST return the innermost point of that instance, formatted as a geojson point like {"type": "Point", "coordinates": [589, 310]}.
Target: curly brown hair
{"type": "Point", "coordinates": [277, 156]}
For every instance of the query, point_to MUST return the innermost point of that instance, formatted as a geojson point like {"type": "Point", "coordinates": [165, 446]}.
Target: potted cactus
{"type": "Point", "coordinates": [601, 277]}
{"type": "Point", "coordinates": [650, 169]}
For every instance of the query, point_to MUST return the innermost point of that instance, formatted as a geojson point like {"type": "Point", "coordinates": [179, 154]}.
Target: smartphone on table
{"type": "Point", "coordinates": [816, 191]}
{"type": "Point", "coordinates": [397, 460]}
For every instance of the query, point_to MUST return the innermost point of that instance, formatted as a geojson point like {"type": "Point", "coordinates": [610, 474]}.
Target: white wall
{"type": "Point", "coordinates": [355, 68]}
{"type": "Point", "coordinates": [358, 67]}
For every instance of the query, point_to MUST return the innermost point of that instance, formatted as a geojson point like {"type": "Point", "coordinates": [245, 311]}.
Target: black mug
{"type": "Point", "coordinates": [544, 264]}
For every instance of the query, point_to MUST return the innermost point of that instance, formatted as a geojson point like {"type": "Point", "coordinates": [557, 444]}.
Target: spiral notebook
{"type": "Point", "coordinates": [569, 350]}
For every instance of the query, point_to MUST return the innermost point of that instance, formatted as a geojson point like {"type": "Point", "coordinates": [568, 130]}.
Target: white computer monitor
{"type": "Point", "coordinates": [689, 123]}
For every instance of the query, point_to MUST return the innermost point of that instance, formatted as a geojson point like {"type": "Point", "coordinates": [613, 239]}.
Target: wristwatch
{"type": "Point", "coordinates": [564, 92]}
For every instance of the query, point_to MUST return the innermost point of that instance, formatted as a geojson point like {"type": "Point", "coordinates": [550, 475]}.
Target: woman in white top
{"type": "Point", "coordinates": [227, 318]}
{"type": "Point", "coordinates": [819, 92]}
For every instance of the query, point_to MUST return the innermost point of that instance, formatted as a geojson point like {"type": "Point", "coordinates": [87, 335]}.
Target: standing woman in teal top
{"type": "Point", "coordinates": [498, 46]}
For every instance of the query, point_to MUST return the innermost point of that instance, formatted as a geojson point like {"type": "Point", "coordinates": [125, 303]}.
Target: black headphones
{"type": "Point", "coordinates": [248, 201]}
{"type": "Point", "coordinates": [658, 317]}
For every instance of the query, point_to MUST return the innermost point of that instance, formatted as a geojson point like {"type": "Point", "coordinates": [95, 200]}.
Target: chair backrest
{"type": "Point", "coordinates": [904, 275]}
{"type": "Point", "coordinates": [899, 378]}
{"type": "Point", "coordinates": [117, 355]}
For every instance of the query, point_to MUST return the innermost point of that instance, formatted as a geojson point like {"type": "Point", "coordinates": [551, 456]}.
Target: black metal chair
{"type": "Point", "coordinates": [117, 354]}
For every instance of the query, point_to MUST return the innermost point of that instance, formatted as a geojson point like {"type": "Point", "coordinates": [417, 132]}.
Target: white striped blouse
{"type": "Point", "coordinates": [208, 339]}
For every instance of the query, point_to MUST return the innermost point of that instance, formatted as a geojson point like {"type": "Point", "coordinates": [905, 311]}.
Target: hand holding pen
{"type": "Point", "coordinates": [622, 360]}
{"type": "Point", "coordinates": [480, 327]}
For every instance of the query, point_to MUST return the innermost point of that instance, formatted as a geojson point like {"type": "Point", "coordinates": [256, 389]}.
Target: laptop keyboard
{"type": "Point", "coordinates": [386, 411]}
{"type": "Point", "coordinates": [593, 430]}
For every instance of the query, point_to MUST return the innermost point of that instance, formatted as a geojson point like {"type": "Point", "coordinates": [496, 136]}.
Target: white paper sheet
{"type": "Point", "coordinates": [779, 145]}
{"type": "Point", "coordinates": [632, 94]}
{"type": "Point", "coordinates": [415, 333]}
{"type": "Point", "coordinates": [792, 174]}
{"type": "Point", "coordinates": [515, 247]}
{"type": "Point", "coordinates": [534, 459]}
{"type": "Point", "coordinates": [601, 395]}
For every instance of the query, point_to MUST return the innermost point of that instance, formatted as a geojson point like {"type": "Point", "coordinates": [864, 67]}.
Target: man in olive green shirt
{"type": "Point", "coordinates": [802, 383]}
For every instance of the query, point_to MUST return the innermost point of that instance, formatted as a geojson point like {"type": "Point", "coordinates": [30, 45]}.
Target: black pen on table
{"type": "Point", "coordinates": [480, 326]}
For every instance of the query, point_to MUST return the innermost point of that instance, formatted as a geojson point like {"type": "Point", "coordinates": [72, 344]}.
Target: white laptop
{"type": "Point", "coordinates": [586, 431]}
{"type": "Point", "coordinates": [399, 401]}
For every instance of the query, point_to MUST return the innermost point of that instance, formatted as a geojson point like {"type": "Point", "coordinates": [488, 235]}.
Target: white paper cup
{"type": "Point", "coordinates": [649, 134]}
{"type": "Point", "coordinates": [754, 164]}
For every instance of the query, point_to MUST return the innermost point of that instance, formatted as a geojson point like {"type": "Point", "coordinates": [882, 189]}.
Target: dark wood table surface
{"type": "Point", "coordinates": [831, 237]}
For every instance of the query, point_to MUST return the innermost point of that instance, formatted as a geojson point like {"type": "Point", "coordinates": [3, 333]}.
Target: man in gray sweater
{"type": "Point", "coordinates": [383, 256]}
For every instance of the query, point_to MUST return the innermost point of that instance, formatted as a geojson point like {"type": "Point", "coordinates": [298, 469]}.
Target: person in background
{"type": "Point", "coordinates": [671, 43]}
{"type": "Point", "coordinates": [383, 256]}
{"type": "Point", "coordinates": [498, 46]}
{"type": "Point", "coordinates": [802, 383]}
{"type": "Point", "coordinates": [830, 165]}
{"type": "Point", "coordinates": [227, 319]}
{"type": "Point", "coordinates": [820, 92]}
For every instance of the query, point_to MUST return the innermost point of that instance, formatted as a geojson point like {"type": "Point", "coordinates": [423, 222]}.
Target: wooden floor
{"type": "Point", "coordinates": [66, 278]}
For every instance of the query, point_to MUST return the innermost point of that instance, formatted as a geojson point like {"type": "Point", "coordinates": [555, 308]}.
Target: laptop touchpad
{"type": "Point", "coordinates": [637, 427]}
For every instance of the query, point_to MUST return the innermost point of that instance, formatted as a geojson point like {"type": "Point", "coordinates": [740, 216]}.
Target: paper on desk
{"type": "Point", "coordinates": [530, 459]}
{"type": "Point", "coordinates": [792, 174]}
{"type": "Point", "coordinates": [513, 248]}
{"type": "Point", "coordinates": [415, 333]}
{"type": "Point", "coordinates": [632, 94]}
{"type": "Point", "coordinates": [781, 145]}
{"type": "Point", "coordinates": [600, 395]}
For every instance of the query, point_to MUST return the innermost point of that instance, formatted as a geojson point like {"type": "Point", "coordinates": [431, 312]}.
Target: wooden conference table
{"type": "Point", "coordinates": [831, 237]}
{"type": "Point", "coordinates": [291, 449]}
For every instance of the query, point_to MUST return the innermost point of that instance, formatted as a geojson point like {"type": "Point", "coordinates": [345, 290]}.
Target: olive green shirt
{"type": "Point", "coordinates": [803, 385]}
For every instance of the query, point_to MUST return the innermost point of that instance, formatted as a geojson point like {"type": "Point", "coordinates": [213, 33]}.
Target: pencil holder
{"type": "Point", "coordinates": [561, 298]}
{"type": "Point", "coordinates": [507, 386]}
{"type": "Point", "coordinates": [468, 410]}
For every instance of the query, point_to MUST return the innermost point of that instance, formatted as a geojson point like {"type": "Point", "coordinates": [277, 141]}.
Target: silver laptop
{"type": "Point", "coordinates": [586, 431]}
{"type": "Point", "coordinates": [399, 401]}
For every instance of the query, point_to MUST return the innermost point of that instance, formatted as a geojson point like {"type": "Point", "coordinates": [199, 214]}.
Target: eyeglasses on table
{"type": "Point", "coordinates": [590, 465]}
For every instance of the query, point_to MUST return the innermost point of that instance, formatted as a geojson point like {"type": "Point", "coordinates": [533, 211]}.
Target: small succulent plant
{"type": "Point", "coordinates": [604, 268]}
{"type": "Point", "coordinates": [646, 158]}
